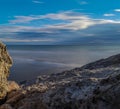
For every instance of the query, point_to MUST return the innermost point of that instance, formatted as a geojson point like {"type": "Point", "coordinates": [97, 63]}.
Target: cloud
{"type": "Point", "coordinates": [37, 2]}
{"type": "Point", "coordinates": [83, 2]}
{"type": "Point", "coordinates": [26, 40]}
{"type": "Point", "coordinates": [68, 27]}
{"type": "Point", "coordinates": [117, 10]}
{"type": "Point", "coordinates": [107, 15]}
{"type": "Point", "coordinates": [23, 19]}
{"type": "Point", "coordinates": [68, 20]}
{"type": "Point", "coordinates": [95, 34]}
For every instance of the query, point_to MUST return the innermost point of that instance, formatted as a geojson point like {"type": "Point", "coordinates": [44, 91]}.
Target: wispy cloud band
{"type": "Point", "coordinates": [75, 21]}
{"type": "Point", "coordinates": [37, 2]}
{"type": "Point", "coordinates": [70, 27]}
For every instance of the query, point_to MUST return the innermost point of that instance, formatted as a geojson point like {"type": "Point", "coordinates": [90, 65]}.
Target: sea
{"type": "Point", "coordinates": [30, 61]}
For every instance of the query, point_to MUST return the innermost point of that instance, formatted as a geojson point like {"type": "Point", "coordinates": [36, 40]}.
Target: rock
{"type": "Point", "coordinates": [14, 97]}
{"type": "Point", "coordinates": [6, 106]}
{"type": "Point", "coordinates": [12, 85]}
{"type": "Point", "coordinates": [110, 61]}
{"type": "Point", "coordinates": [5, 64]}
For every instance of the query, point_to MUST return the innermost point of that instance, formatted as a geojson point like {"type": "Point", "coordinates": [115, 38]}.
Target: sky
{"type": "Point", "coordinates": [61, 22]}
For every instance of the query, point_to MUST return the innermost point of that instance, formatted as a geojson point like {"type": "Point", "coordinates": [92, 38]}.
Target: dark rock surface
{"type": "Point", "coordinates": [110, 61]}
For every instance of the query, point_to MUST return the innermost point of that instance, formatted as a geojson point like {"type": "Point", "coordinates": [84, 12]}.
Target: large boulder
{"type": "Point", "coordinates": [5, 64]}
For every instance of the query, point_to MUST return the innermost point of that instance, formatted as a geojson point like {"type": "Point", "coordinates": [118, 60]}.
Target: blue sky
{"type": "Point", "coordinates": [60, 21]}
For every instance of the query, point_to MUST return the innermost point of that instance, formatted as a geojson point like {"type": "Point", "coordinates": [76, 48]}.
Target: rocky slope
{"type": "Point", "coordinates": [93, 86]}
{"type": "Point", "coordinates": [5, 64]}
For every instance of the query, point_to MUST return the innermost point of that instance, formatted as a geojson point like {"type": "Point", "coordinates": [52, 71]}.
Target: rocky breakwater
{"type": "Point", "coordinates": [93, 86]}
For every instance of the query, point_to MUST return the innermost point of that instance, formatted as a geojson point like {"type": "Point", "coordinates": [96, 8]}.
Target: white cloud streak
{"type": "Point", "coordinates": [37, 2]}
{"type": "Point", "coordinates": [83, 2]}
{"type": "Point", "coordinates": [117, 10]}
{"type": "Point", "coordinates": [26, 40]}
{"type": "Point", "coordinates": [23, 19]}
{"type": "Point", "coordinates": [108, 15]}
{"type": "Point", "coordinates": [75, 21]}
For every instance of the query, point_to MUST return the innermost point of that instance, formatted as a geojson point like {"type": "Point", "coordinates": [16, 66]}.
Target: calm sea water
{"type": "Point", "coordinates": [33, 60]}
